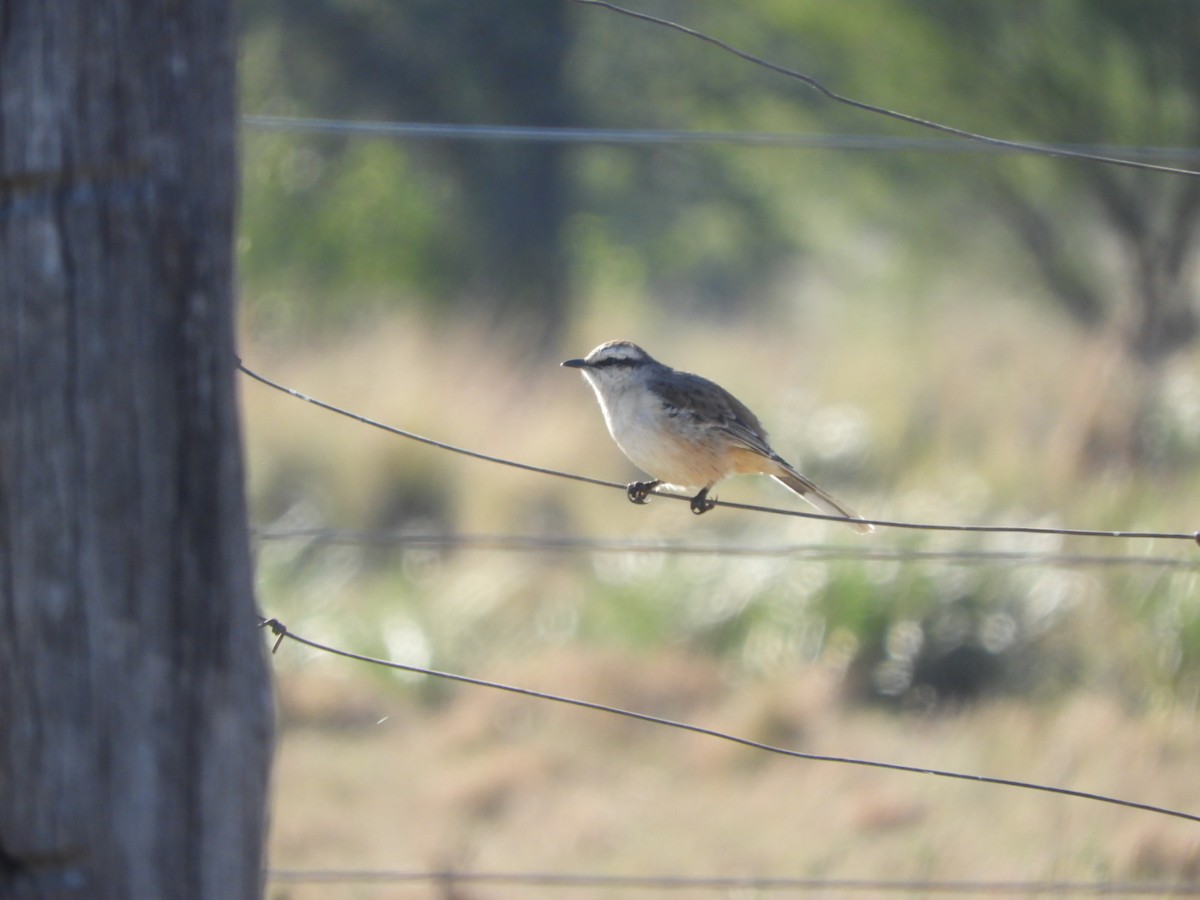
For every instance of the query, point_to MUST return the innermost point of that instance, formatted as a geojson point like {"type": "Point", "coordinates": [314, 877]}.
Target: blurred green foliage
{"type": "Point", "coordinates": [522, 228]}
{"type": "Point", "coordinates": [320, 215]}
{"type": "Point", "coordinates": [496, 231]}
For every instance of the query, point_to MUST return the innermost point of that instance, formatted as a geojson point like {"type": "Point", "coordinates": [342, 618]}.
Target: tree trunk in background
{"type": "Point", "coordinates": [135, 713]}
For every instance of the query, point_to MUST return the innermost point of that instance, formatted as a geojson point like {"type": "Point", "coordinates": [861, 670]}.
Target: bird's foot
{"type": "Point", "coordinates": [701, 504]}
{"type": "Point", "coordinates": [639, 491]}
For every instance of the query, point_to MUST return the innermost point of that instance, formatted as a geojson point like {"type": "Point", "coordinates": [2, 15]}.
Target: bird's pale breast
{"type": "Point", "coordinates": [672, 448]}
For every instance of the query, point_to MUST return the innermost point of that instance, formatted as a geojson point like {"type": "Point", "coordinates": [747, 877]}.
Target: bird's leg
{"type": "Point", "coordinates": [701, 504]}
{"type": "Point", "coordinates": [639, 491]}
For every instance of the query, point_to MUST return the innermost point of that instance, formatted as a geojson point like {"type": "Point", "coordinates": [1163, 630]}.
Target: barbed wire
{"type": "Point", "coordinates": [282, 633]}
{"type": "Point", "coordinates": [1023, 146]}
{"type": "Point", "coordinates": [729, 883]}
{"type": "Point", "coordinates": [552, 543]}
{"type": "Point", "coordinates": [747, 507]}
{"type": "Point", "coordinates": [659, 137]}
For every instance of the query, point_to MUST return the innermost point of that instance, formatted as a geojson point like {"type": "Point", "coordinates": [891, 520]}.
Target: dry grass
{"type": "Point", "coordinates": [963, 411]}
{"type": "Point", "coordinates": [492, 782]}
{"type": "Point", "coordinates": [965, 415]}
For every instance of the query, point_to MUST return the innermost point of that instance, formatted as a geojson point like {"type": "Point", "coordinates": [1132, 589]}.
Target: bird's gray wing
{"type": "Point", "coordinates": [704, 401]}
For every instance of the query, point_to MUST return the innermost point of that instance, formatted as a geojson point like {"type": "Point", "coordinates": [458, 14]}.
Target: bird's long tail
{"type": "Point", "coordinates": [794, 481]}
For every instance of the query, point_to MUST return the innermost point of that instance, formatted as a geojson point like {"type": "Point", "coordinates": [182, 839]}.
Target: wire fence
{"type": "Point", "coordinates": [449, 878]}
{"type": "Point", "coordinates": [557, 543]}
{"type": "Point", "coordinates": [565, 544]}
{"type": "Point", "coordinates": [1190, 536]}
{"type": "Point", "coordinates": [958, 140]}
{"type": "Point", "coordinates": [657, 137]}
{"type": "Point", "coordinates": [829, 94]}
{"type": "Point", "coordinates": [755, 884]}
{"type": "Point", "coordinates": [282, 633]}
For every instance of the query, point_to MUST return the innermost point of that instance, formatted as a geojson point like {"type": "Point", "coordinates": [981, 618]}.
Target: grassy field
{"type": "Point", "coordinates": [482, 781]}
{"type": "Point", "coordinates": [1084, 673]}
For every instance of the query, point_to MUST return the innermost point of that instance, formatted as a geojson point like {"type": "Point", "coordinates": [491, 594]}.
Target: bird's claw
{"type": "Point", "coordinates": [639, 491]}
{"type": "Point", "coordinates": [701, 504]}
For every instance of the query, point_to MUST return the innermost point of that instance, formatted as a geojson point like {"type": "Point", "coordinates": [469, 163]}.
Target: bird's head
{"type": "Point", "coordinates": [613, 363]}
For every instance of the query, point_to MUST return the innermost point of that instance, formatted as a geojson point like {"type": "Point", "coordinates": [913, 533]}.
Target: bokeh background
{"type": "Point", "coordinates": [935, 331]}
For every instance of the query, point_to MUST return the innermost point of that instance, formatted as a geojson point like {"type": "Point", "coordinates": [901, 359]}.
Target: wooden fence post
{"type": "Point", "coordinates": [135, 711]}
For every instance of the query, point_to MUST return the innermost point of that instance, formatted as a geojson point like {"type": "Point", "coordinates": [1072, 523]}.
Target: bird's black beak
{"type": "Point", "coordinates": [575, 363]}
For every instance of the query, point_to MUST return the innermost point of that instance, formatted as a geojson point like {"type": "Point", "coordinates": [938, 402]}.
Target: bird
{"type": "Point", "coordinates": [687, 431]}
